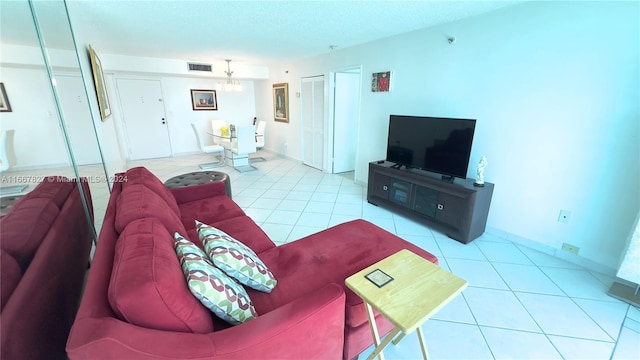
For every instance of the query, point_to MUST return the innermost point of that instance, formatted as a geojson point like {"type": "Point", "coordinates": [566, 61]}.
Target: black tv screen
{"type": "Point", "coordinates": [440, 145]}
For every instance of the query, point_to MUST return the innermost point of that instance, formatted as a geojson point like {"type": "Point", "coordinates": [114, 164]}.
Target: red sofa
{"type": "Point", "coordinates": [45, 245]}
{"type": "Point", "coordinates": [309, 315]}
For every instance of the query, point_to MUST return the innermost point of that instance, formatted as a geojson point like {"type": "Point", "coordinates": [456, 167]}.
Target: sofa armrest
{"type": "Point", "coordinates": [198, 192]}
{"type": "Point", "coordinates": [311, 327]}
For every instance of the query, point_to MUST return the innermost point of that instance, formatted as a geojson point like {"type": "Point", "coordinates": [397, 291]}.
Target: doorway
{"type": "Point", "coordinates": [345, 100]}
{"type": "Point", "coordinates": [78, 120]}
{"type": "Point", "coordinates": [144, 118]}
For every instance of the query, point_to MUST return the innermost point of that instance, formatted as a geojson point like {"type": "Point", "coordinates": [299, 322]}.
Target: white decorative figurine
{"type": "Point", "coordinates": [481, 165]}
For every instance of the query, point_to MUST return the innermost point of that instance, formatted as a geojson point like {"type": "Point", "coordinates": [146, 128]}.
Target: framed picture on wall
{"type": "Point", "coordinates": [381, 81]}
{"type": "Point", "coordinates": [204, 99]}
{"type": "Point", "coordinates": [281, 102]}
{"type": "Point", "coordinates": [101, 88]}
{"type": "Point", "coordinates": [4, 100]}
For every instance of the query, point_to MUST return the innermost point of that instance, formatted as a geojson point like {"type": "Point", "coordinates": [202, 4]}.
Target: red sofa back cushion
{"type": "Point", "coordinates": [138, 202]}
{"type": "Point", "coordinates": [10, 276]}
{"type": "Point", "coordinates": [141, 175]}
{"type": "Point", "coordinates": [147, 286]}
{"type": "Point", "coordinates": [245, 230]}
{"type": "Point", "coordinates": [24, 227]}
{"type": "Point", "coordinates": [55, 188]}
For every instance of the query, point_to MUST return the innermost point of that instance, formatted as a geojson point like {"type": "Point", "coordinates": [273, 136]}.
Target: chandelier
{"type": "Point", "coordinates": [230, 85]}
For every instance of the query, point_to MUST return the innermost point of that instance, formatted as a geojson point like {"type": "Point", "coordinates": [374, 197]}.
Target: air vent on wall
{"type": "Point", "coordinates": [199, 67]}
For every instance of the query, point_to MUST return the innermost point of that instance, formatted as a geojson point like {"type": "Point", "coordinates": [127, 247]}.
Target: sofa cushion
{"type": "Point", "coordinates": [147, 287]}
{"type": "Point", "coordinates": [246, 230]}
{"type": "Point", "coordinates": [10, 275]}
{"type": "Point", "coordinates": [137, 202]}
{"type": "Point", "coordinates": [241, 227]}
{"type": "Point", "coordinates": [209, 210]}
{"type": "Point", "coordinates": [23, 229]}
{"type": "Point", "coordinates": [221, 294]}
{"type": "Point", "coordinates": [141, 175]}
{"type": "Point", "coordinates": [235, 258]}
{"type": "Point", "coordinates": [55, 188]}
{"type": "Point", "coordinates": [305, 265]}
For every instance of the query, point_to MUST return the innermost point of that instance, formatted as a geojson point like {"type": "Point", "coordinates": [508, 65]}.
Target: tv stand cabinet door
{"type": "Point", "coordinates": [380, 186]}
{"type": "Point", "coordinates": [451, 209]}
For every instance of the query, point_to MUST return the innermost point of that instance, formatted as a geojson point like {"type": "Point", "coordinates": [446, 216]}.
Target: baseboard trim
{"type": "Point", "coordinates": [36, 167]}
{"type": "Point", "coordinates": [549, 250]}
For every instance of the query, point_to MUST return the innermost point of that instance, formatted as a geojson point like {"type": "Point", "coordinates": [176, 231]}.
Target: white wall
{"type": "Point", "coordinates": [38, 138]}
{"type": "Point", "coordinates": [35, 114]}
{"type": "Point", "coordinates": [178, 67]}
{"type": "Point", "coordinates": [233, 107]}
{"type": "Point", "coordinates": [283, 138]}
{"type": "Point", "coordinates": [176, 82]}
{"type": "Point", "coordinates": [23, 68]}
{"type": "Point", "coordinates": [554, 86]}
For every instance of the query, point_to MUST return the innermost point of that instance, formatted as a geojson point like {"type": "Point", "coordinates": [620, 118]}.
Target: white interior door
{"type": "Point", "coordinates": [346, 112]}
{"type": "Point", "coordinates": [144, 118]}
{"type": "Point", "coordinates": [313, 121]}
{"type": "Point", "coordinates": [77, 117]}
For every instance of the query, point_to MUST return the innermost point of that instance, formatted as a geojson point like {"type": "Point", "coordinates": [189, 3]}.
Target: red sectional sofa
{"type": "Point", "coordinates": [137, 304]}
{"type": "Point", "coordinates": [45, 242]}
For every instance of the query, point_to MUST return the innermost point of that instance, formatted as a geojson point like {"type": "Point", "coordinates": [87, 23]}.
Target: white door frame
{"type": "Point", "coordinates": [330, 114]}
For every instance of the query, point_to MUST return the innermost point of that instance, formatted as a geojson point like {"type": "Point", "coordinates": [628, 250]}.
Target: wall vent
{"type": "Point", "coordinates": [199, 67]}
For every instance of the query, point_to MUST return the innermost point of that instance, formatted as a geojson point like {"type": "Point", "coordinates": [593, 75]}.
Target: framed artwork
{"type": "Point", "coordinates": [101, 88]}
{"type": "Point", "coordinates": [204, 99]}
{"type": "Point", "coordinates": [281, 102]}
{"type": "Point", "coordinates": [4, 100]}
{"type": "Point", "coordinates": [381, 81]}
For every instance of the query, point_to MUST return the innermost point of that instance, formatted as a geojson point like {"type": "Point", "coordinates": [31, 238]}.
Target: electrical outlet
{"type": "Point", "coordinates": [565, 216]}
{"type": "Point", "coordinates": [570, 248]}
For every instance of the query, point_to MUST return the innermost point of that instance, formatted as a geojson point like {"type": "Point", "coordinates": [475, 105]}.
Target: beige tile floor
{"type": "Point", "coordinates": [520, 303]}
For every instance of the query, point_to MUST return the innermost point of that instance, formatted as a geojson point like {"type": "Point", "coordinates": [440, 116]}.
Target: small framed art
{"type": "Point", "coordinates": [381, 81]}
{"type": "Point", "coordinates": [281, 102]}
{"type": "Point", "coordinates": [204, 99]}
{"type": "Point", "coordinates": [4, 100]}
{"type": "Point", "coordinates": [101, 88]}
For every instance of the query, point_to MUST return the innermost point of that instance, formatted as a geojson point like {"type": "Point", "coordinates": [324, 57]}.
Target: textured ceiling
{"type": "Point", "coordinates": [254, 32]}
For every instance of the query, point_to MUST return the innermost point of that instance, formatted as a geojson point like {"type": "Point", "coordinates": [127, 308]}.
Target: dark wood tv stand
{"type": "Point", "coordinates": [457, 209]}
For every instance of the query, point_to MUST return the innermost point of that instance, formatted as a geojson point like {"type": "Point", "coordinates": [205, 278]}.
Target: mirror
{"type": "Point", "coordinates": [52, 122]}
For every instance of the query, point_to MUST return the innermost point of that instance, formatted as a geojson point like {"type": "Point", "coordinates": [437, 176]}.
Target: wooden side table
{"type": "Point", "coordinates": [418, 290]}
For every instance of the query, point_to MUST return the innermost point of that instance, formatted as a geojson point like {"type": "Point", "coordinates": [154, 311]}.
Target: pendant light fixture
{"type": "Point", "coordinates": [230, 85]}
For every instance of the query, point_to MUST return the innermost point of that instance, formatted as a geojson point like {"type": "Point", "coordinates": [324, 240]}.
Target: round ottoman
{"type": "Point", "coordinates": [199, 177]}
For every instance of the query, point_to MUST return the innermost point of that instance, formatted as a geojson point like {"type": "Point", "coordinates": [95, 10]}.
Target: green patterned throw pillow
{"type": "Point", "coordinates": [235, 258]}
{"type": "Point", "coordinates": [219, 293]}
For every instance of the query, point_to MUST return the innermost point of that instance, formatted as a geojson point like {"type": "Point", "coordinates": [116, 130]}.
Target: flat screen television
{"type": "Point", "coordinates": [439, 145]}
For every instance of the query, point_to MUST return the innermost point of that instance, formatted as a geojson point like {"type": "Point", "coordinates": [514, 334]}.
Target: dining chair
{"type": "Point", "coordinates": [7, 160]}
{"type": "Point", "coordinates": [209, 149]}
{"type": "Point", "coordinates": [260, 128]}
